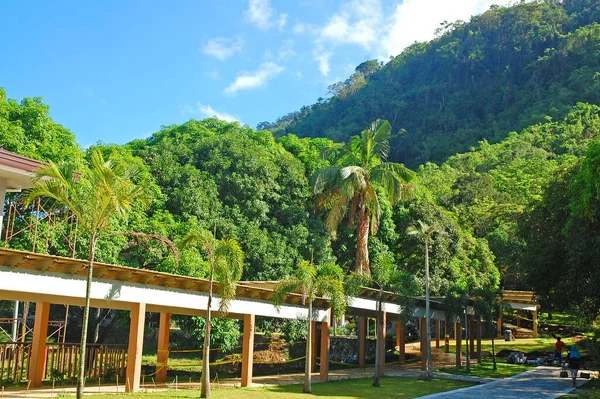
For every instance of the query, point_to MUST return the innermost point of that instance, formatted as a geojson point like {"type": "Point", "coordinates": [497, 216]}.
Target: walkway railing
{"type": "Point", "coordinates": [61, 361]}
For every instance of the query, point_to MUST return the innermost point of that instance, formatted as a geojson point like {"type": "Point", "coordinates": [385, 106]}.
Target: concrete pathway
{"type": "Point", "coordinates": [538, 383]}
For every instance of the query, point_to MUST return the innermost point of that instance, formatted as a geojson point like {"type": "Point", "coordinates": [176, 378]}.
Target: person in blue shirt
{"type": "Point", "coordinates": [574, 360]}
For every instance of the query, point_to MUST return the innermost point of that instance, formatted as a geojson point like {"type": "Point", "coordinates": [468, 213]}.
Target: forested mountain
{"type": "Point", "coordinates": [504, 108]}
{"type": "Point", "coordinates": [502, 71]}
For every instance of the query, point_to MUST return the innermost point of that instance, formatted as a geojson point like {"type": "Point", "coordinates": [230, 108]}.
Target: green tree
{"type": "Point", "coordinates": [385, 276]}
{"type": "Point", "coordinates": [351, 186]}
{"type": "Point", "coordinates": [311, 281]}
{"type": "Point", "coordinates": [226, 260]}
{"type": "Point", "coordinates": [425, 232]}
{"type": "Point", "coordinates": [100, 193]}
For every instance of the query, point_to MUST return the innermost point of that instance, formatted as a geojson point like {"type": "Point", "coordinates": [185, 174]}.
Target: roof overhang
{"type": "Point", "coordinates": [16, 171]}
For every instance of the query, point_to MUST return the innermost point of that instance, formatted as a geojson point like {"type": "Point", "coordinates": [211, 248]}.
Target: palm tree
{"type": "Point", "coordinates": [425, 232]}
{"type": "Point", "coordinates": [385, 276]}
{"type": "Point", "coordinates": [310, 281]}
{"type": "Point", "coordinates": [351, 185]}
{"type": "Point", "coordinates": [226, 259]}
{"type": "Point", "coordinates": [97, 195]}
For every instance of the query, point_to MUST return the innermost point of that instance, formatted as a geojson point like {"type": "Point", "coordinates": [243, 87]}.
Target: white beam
{"type": "Point", "coordinates": [21, 284]}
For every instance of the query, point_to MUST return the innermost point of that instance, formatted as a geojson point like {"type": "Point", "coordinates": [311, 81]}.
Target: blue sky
{"type": "Point", "coordinates": [116, 70]}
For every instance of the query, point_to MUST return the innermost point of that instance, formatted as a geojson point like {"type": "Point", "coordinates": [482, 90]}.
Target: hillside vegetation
{"type": "Point", "coordinates": [502, 71]}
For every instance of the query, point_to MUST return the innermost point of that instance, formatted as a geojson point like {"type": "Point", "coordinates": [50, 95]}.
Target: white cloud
{"type": "Point", "coordinates": [251, 80]}
{"type": "Point", "coordinates": [208, 112]}
{"type": "Point", "coordinates": [322, 57]}
{"type": "Point", "coordinates": [281, 21]}
{"type": "Point", "coordinates": [357, 24]}
{"type": "Point", "coordinates": [263, 16]}
{"type": "Point", "coordinates": [223, 48]}
{"type": "Point", "coordinates": [417, 20]}
{"type": "Point", "coordinates": [384, 32]}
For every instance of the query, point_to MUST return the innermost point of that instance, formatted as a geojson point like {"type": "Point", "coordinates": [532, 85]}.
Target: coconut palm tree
{"type": "Point", "coordinates": [226, 260]}
{"type": "Point", "coordinates": [98, 194]}
{"type": "Point", "coordinates": [350, 186]}
{"type": "Point", "coordinates": [425, 232]}
{"type": "Point", "coordinates": [310, 282]}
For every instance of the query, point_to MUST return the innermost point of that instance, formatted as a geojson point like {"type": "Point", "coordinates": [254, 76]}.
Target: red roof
{"type": "Point", "coordinates": [16, 161]}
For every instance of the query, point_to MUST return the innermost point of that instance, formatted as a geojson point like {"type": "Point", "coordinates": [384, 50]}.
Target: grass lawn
{"type": "Point", "coordinates": [485, 369]}
{"type": "Point", "coordinates": [523, 345]}
{"type": "Point", "coordinates": [588, 391]}
{"type": "Point", "coordinates": [391, 387]}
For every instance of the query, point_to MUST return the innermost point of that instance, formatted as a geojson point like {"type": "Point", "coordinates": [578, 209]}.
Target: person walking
{"type": "Point", "coordinates": [574, 363]}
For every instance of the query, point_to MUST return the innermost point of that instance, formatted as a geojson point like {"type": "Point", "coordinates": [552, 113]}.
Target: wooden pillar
{"type": "Point", "coordinates": [535, 324]}
{"type": "Point", "coordinates": [472, 336]}
{"type": "Point", "coordinates": [518, 318]}
{"type": "Point", "coordinates": [424, 349]}
{"type": "Point", "coordinates": [37, 365]}
{"type": "Point", "coordinates": [500, 324]}
{"type": "Point", "coordinates": [383, 336]}
{"type": "Point", "coordinates": [162, 357]}
{"type": "Point", "coordinates": [457, 333]}
{"type": "Point", "coordinates": [401, 341]}
{"type": "Point", "coordinates": [134, 349]}
{"type": "Point", "coordinates": [362, 342]}
{"type": "Point", "coordinates": [248, 350]}
{"type": "Point", "coordinates": [313, 349]}
{"type": "Point", "coordinates": [458, 336]}
{"type": "Point", "coordinates": [325, 344]}
{"type": "Point", "coordinates": [478, 330]}
{"type": "Point", "coordinates": [438, 329]}
{"type": "Point", "coordinates": [447, 336]}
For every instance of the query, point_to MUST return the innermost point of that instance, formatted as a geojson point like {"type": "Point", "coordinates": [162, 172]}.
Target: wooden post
{"type": "Point", "coordinates": [472, 336]}
{"type": "Point", "coordinates": [500, 324]}
{"type": "Point", "coordinates": [518, 319]}
{"type": "Point", "coordinates": [248, 350]}
{"type": "Point", "coordinates": [458, 337]}
{"type": "Point", "coordinates": [313, 348]}
{"type": "Point", "coordinates": [424, 348]}
{"type": "Point", "coordinates": [401, 341]}
{"type": "Point", "coordinates": [37, 364]}
{"type": "Point", "coordinates": [162, 357]}
{"type": "Point", "coordinates": [362, 342]}
{"type": "Point", "coordinates": [437, 334]}
{"type": "Point", "coordinates": [134, 349]}
{"type": "Point", "coordinates": [325, 344]}
{"type": "Point", "coordinates": [478, 330]}
{"type": "Point", "coordinates": [382, 353]}
{"type": "Point", "coordinates": [535, 324]}
{"type": "Point", "coordinates": [457, 333]}
{"type": "Point", "coordinates": [447, 336]}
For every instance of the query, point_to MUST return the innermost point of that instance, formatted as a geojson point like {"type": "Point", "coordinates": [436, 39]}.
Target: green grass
{"type": "Point", "coordinates": [391, 387]}
{"type": "Point", "coordinates": [486, 369]}
{"type": "Point", "coordinates": [523, 345]}
{"type": "Point", "coordinates": [590, 390]}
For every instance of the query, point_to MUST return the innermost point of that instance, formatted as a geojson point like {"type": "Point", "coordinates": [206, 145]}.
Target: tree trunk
{"type": "Point", "coordinates": [494, 352]}
{"type": "Point", "coordinates": [379, 342]}
{"type": "Point", "coordinates": [307, 364]}
{"type": "Point", "coordinates": [467, 335]}
{"type": "Point", "coordinates": [205, 388]}
{"type": "Point", "coordinates": [428, 313]}
{"type": "Point", "coordinates": [361, 264]}
{"type": "Point", "coordinates": [84, 322]}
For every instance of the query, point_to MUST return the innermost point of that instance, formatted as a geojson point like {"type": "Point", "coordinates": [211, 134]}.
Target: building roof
{"type": "Point", "coordinates": [17, 170]}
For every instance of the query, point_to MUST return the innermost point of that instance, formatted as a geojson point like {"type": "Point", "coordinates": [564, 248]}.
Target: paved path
{"type": "Point", "coordinates": [538, 383]}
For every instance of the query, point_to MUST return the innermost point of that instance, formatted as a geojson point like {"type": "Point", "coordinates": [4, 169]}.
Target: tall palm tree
{"type": "Point", "coordinates": [425, 232]}
{"type": "Point", "coordinates": [97, 195]}
{"type": "Point", "coordinates": [226, 259]}
{"type": "Point", "coordinates": [350, 186]}
{"type": "Point", "coordinates": [310, 281]}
